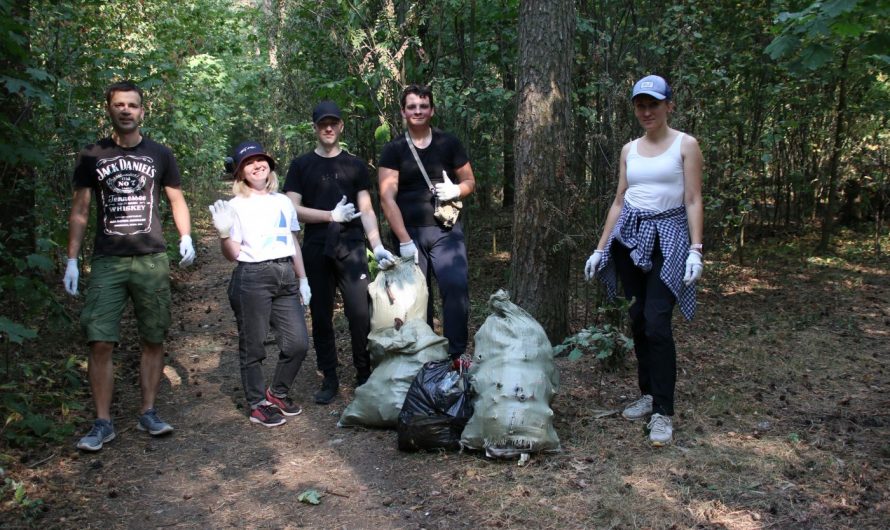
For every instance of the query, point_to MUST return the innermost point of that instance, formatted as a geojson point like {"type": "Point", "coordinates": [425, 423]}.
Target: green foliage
{"type": "Point", "coordinates": [27, 295]}
{"type": "Point", "coordinates": [811, 37]}
{"type": "Point", "coordinates": [31, 508]}
{"type": "Point", "coordinates": [606, 341]}
{"type": "Point", "coordinates": [36, 408]}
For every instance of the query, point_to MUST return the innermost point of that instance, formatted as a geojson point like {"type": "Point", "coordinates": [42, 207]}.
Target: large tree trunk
{"type": "Point", "coordinates": [541, 250]}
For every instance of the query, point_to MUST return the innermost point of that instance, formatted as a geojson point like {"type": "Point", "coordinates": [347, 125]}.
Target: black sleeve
{"type": "Point", "coordinates": [390, 157]}
{"type": "Point", "coordinates": [292, 181]}
{"type": "Point", "coordinates": [84, 170]}
{"type": "Point", "coordinates": [363, 179]}
{"type": "Point", "coordinates": [458, 154]}
{"type": "Point", "coordinates": [171, 177]}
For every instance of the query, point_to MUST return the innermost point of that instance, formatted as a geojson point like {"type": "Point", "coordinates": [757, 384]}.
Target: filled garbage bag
{"type": "Point", "coordinates": [436, 408]}
{"type": "Point", "coordinates": [514, 380]}
{"type": "Point", "coordinates": [398, 353]}
{"type": "Point", "coordinates": [398, 293]}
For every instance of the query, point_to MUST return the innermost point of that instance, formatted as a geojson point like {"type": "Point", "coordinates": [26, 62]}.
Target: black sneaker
{"type": "Point", "coordinates": [284, 405]}
{"type": "Point", "coordinates": [361, 378]}
{"type": "Point", "coordinates": [328, 390]}
{"type": "Point", "coordinates": [267, 415]}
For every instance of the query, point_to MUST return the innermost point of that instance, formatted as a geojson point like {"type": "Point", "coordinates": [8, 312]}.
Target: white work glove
{"type": "Point", "coordinates": [693, 267]}
{"type": "Point", "coordinates": [344, 212]}
{"type": "Point", "coordinates": [305, 291]}
{"type": "Point", "coordinates": [592, 263]}
{"type": "Point", "coordinates": [72, 273]}
{"type": "Point", "coordinates": [223, 217]}
{"type": "Point", "coordinates": [384, 257]}
{"type": "Point", "coordinates": [409, 250]}
{"type": "Point", "coordinates": [447, 191]}
{"type": "Point", "coordinates": [186, 250]}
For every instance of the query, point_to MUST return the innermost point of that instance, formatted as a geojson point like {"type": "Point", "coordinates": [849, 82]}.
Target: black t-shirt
{"type": "Point", "coordinates": [127, 182]}
{"type": "Point", "coordinates": [414, 198]}
{"type": "Point", "coordinates": [321, 183]}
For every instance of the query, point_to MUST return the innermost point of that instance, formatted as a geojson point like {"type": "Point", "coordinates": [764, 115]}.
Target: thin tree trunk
{"type": "Point", "coordinates": [828, 212]}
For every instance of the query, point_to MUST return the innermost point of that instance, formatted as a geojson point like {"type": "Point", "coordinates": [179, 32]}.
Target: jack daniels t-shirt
{"type": "Point", "coordinates": [321, 182]}
{"type": "Point", "coordinates": [127, 182]}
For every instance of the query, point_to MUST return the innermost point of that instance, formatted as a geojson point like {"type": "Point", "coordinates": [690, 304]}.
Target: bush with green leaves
{"type": "Point", "coordinates": [605, 341]}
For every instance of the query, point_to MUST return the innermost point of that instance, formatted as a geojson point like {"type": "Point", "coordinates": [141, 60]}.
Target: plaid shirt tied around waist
{"type": "Point", "coordinates": [638, 230]}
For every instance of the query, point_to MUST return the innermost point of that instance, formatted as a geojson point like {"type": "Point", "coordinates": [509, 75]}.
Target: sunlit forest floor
{"type": "Point", "coordinates": [783, 421]}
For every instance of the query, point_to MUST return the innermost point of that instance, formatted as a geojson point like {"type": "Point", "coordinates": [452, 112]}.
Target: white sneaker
{"type": "Point", "coordinates": [661, 430]}
{"type": "Point", "coordinates": [638, 409]}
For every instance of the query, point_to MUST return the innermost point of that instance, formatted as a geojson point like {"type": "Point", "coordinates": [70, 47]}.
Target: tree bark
{"type": "Point", "coordinates": [541, 248]}
{"type": "Point", "coordinates": [834, 162]}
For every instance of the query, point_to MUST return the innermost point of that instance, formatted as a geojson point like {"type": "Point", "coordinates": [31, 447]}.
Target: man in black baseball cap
{"type": "Point", "coordinates": [325, 185]}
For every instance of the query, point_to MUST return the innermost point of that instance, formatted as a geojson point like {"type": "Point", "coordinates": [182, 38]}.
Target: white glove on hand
{"type": "Point", "coordinates": [186, 250]}
{"type": "Point", "coordinates": [344, 212]}
{"type": "Point", "coordinates": [384, 257]}
{"type": "Point", "coordinates": [409, 250]}
{"type": "Point", "coordinates": [223, 217]}
{"type": "Point", "coordinates": [592, 263]}
{"type": "Point", "coordinates": [305, 292]}
{"type": "Point", "coordinates": [72, 273]}
{"type": "Point", "coordinates": [693, 267]}
{"type": "Point", "coordinates": [447, 191]}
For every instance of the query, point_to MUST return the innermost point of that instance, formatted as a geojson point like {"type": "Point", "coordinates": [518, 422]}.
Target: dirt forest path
{"type": "Point", "coordinates": [219, 470]}
{"type": "Point", "coordinates": [783, 420]}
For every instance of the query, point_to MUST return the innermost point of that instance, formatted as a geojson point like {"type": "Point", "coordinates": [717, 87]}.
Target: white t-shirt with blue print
{"type": "Point", "coordinates": [263, 227]}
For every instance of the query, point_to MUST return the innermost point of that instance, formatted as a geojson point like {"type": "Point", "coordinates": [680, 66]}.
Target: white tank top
{"type": "Point", "coordinates": [655, 183]}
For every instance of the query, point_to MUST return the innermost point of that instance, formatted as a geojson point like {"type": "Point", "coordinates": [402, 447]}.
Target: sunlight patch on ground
{"type": "Point", "coordinates": [717, 513]}
{"type": "Point", "coordinates": [172, 376]}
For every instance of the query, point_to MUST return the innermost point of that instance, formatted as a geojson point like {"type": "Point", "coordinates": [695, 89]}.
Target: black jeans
{"type": "Point", "coordinates": [650, 317]}
{"type": "Point", "coordinates": [350, 275]}
{"type": "Point", "coordinates": [443, 255]}
{"type": "Point", "coordinates": [264, 294]}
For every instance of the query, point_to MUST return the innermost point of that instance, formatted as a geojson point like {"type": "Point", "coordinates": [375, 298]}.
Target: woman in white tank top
{"type": "Point", "coordinates": [652, 241]}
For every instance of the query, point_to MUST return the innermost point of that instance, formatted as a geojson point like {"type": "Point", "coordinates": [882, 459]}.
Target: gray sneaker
{"type": "Point", "coordinates": [102, 432]}
{"type": "Point", "coordinates": [639, 408]}
{"type": "Point", "coordinates": [661, 430]}
{"type": "Point", "coordinates": [153, 424]}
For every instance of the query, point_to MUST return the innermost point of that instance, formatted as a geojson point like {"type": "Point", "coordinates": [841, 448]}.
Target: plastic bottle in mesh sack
{"type": "Point", "coordinates": [514, 379]}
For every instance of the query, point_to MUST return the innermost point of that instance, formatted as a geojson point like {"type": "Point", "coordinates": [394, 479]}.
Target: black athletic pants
{"type": "Point", "coordinates": [442, 254]}
{"type": "Point", "coordinates": [650, 317]}
{"type": "Point", "coordinates": [350, 275]}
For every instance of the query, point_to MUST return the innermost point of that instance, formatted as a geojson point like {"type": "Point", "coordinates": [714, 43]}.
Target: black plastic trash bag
{"type": "Point", "coordinates": [436, 408]}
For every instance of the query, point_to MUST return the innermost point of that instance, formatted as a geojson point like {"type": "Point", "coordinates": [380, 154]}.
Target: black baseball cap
{"type": "Point", "coordinates": [246, 150]}
{"type": "Point", "coordinates": [326, 109]}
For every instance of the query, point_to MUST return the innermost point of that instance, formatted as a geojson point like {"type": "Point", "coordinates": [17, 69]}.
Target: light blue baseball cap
{"type": "Point", "coordinates": [652, 85]}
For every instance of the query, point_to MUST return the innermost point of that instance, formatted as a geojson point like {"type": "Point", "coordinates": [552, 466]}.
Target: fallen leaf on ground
{"type": "Point", "coordinates": [310, 497]}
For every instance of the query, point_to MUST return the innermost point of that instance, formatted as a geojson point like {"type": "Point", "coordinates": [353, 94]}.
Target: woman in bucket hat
{"type": "Point", "coordinates": [652, 241]}
{"type": "Point", "coordinates": [268, 286]}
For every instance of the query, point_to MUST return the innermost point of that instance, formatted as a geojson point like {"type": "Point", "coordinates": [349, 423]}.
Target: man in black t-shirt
{"type": "Point", "coordinates": [408, 204]}
{"type": "Point", "coordinates": [325, 185]}
{"type": "Point", "coordinates": [125, 172]}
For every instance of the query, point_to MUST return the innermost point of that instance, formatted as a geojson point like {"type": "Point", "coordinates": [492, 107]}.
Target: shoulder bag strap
{"type": "Point", "coordinates": [419, 163]}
